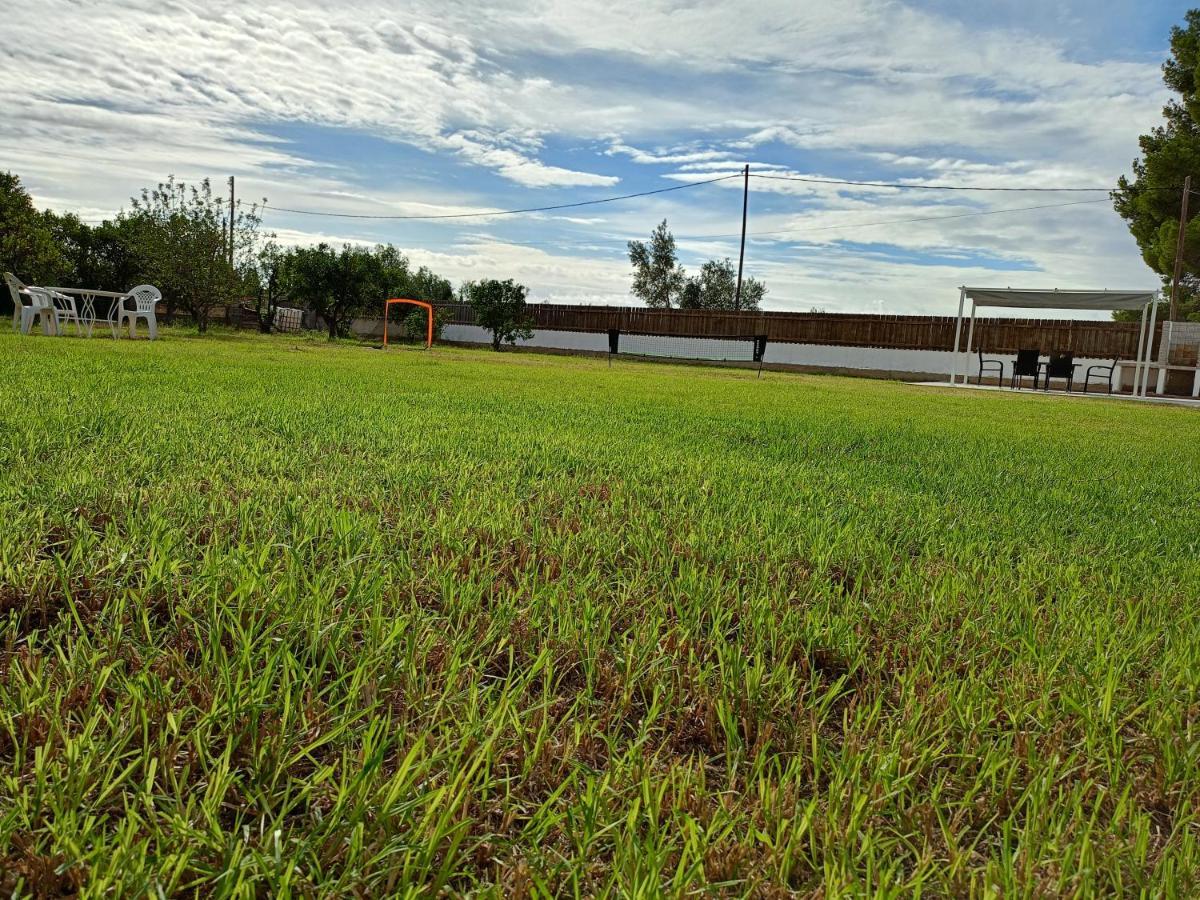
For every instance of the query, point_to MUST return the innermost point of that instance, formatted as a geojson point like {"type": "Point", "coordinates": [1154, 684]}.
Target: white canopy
{"type": "Point", "coordinates": [1146, 301]}
{"type": "Point", "coordinates": [1056, 299]}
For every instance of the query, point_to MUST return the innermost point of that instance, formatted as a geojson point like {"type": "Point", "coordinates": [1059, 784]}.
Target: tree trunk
{"type": "Point", "coordinates": [333, 329]}
{"type": "Point", "coordinates": [496, 340]}
{"type": "Point", "coordinates": [202, 320]}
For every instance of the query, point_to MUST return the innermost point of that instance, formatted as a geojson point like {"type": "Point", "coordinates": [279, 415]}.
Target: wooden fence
{"type": "Point", "coordinates": [1096, 339]}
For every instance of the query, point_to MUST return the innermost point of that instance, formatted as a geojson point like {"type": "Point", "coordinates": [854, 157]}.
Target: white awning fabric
{"type": "Point", "coordinates": [1053, 299]}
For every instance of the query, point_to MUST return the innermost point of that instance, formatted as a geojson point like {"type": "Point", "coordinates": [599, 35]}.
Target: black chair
{"type": "Point", "coordinates": [1106, 372]}
{"type": "Point", "coordinates": [988, 365]}
{"type": "Point", "coordinates": [1025, 364]}
{"type": "Point", "coordinates": [1061, 365]}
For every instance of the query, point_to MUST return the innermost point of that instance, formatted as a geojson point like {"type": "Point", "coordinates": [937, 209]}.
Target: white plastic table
{"type": "Point", "coordinates": [87, 303]}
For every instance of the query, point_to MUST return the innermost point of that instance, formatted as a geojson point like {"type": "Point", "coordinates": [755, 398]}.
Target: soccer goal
{"type": "Point", "coordinates": [749, 349]}
{"type": "Point", "coordinates": [428, 307]}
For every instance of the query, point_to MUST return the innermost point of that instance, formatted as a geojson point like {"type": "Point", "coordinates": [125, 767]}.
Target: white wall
{"type": "Point", "coordinates": [558, 340]}
{"type": "Point", "coordinates": [907, 364]}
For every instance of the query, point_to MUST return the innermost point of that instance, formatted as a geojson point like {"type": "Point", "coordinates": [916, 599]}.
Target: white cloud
{"type": "Point", "coordinates": [667, 157]}
{"type": "Point", "coordinates": [137, 89]}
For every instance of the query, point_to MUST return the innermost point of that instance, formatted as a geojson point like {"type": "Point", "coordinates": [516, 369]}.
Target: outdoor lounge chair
{"type": "Point", "coordinates": [1061, 365]}
{"type": "Point", "coordinates": [40, 304]}
{"type": "Point", "coordinates": [1025, 364]}
{"type": "Point", "coordinates": [1104, 370]}
{"type": "Point", "coordinates": [989, 365]}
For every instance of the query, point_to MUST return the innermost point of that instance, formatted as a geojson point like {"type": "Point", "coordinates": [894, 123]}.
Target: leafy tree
{"type": "Point", "coordinates": [716, 288]}
{"type": "Point", "coordinates": [271, 279]}
{"type": "Point", "coordinates": [393, 276]}
{"type": "Point", "coordinates": [1150, 202]}
{"type": "Point", "coordinates": [104, 256]}
{"type": "Point", "coordinates": [336, 285]}
{"type": "Point", "coordinates": [397, 279]}
{"type": "Point", "coordinates": [427, 285]}
{"type": "Point", "coordinates": [658, 278]}
{"type": "Point", "coordinates": [500, 308]}
{"type": "Point", "coordinates": [181, 234]}
{"type": "Point", "coordinates": [27, 245]}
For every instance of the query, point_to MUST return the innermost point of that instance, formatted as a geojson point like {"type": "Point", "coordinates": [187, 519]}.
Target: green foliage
{"type": "Point", "coordinates": [28, 248]}
{"type": "Point", "coordinates": [500, 308]}
{"type": "Point", "coordinates": [716, 288]}
{"type": "Point", "coordinates": [660, 282]}
{"type": "Point", "coordinates": [337, 285]}
{"type": "Point", "coordinates": [658, 279]}
{"type": "Point", "coordinates": [176, 237]}
{"type": "Point", "coordinates": [272, 283]}
{"type": "Point", "coordinates": [1150, 202]}
{"type": "Point", "coordinates": [182, 242]}
{"type": "Point", "coordinates": [425, 284]}
{"type": "Point", "coordinates": [414, 323]}
{"type": "Point", "coordinates": [342, 284]}
{"type": "Point", "coordinates": [474, 624]}
{"type": "Point", "coordinates": [103, 256]}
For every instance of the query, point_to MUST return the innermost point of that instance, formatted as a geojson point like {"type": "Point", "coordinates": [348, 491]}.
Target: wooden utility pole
{"type": "Point", "coordinates": [232, 207]}
{"type": "Point", "coordinates": [1173, 315]}
{"type": "Point", "coordinates": [737, 300]}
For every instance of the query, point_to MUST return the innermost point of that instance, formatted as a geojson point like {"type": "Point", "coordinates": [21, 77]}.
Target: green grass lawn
{"type": "Point", "coordinates": [281, 617]}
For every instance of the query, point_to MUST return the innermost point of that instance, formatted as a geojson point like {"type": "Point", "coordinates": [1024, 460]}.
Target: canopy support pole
{"type": "Point", "coordinates": [962, 299]}
{"type": "Point", "coordinates": [1137, 356]}
{"type": "Point", "coordinates": [970, 340]}
{"type": "Point", "coordinates": [1149, 344]}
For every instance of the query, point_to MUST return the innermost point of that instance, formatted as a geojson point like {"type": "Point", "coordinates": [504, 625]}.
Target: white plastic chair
{"type": "Point", "coordinates": [24, 313]}
{"type": "Point", "coordinates": [64, 311]}
{"type": "Point", "coordinates": [145, 298]}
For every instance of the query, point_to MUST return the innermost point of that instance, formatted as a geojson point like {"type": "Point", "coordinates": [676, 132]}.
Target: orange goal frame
{"type": "Point", "coordinates": [428, 307]}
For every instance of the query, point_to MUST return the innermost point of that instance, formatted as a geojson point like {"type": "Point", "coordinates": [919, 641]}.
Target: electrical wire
{"type": "Point", "coordinates": [505, 212]}
{"type": "Point", "coordinates": [987, 212]}
{"type": "Point", "coordinates": [929, 187]}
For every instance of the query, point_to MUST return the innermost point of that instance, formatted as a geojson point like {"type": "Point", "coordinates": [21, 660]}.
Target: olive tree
{"type": "Point", "coordinates": [500, 308]}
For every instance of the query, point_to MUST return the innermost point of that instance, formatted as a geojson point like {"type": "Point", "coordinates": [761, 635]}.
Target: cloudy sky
{"type": "Point", "coordinates": [426, 108]}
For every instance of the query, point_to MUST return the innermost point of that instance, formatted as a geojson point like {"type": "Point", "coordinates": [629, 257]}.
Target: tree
{"type": "Point", "coordinates": [1150, 203]}
{"type": "Point", "coordinates": [104, 256]}
{"type": "Point", "coordinates": [716, 288]}
{"type": "Point", "coordinates": [427, 285]}
{"type": "Point", "coordinates": [28, 248]}
{"type": "Point", "coordinates": [336, 285]}
{"type": "Point", "coordinates": [181, 233]}
{"type": "Point", "coordinates": [500, 308]}
{"type": "Point", "coordinates": [423, 284]}
{"type": "Point", "coordinates": [272, 283]}
{"type": "Point", "coordinates": [658, 278]}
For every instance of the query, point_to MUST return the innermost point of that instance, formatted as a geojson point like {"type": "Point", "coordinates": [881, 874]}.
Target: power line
{"type": "Point", "coordinates": [505, 212]}
{"type": "Point", "coordinates": [988, 212]}
{"type": "Point", "coordinates": [930, 187]}
{"type": "Point", "coordinates": [601, 239]}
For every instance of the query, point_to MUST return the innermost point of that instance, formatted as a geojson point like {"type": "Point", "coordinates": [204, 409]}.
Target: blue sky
{"type": "Point", "coordinates": [375, 108]}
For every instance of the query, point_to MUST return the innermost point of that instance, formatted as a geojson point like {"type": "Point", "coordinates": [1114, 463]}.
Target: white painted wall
{"type": "Point", "coordinates": [906, 364]}
{"type": "Point", "coordinates": [558, 340]}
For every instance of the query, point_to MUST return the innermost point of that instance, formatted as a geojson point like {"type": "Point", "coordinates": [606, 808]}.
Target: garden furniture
{"type": "Point", "coordinates": [145, 298]}
{"type": "Point", "coordinates": [1060, 365]}
{"type": "Point", "coordinates": [987, 365]}
{"type": "Point", "coordinates": [1026, 364]}
{"type": "Point", "coordinates": [1105, 371]}
{"type": "Point", "coordinates": [39, 305]}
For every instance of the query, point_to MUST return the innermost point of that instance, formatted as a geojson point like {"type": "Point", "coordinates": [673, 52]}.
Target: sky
{"type": "Point", "coordinates": [433, 108]}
